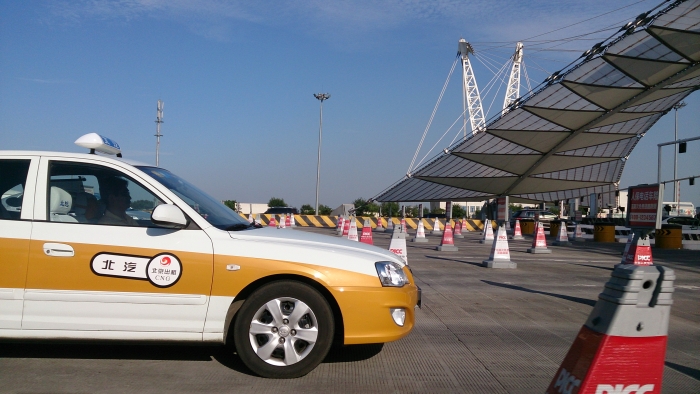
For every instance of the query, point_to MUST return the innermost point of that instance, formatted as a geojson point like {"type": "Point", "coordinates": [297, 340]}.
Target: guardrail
{"type": "Point", "coordinates": [332, 221]}
{"type": "Point", "coordinates": [691, 238]}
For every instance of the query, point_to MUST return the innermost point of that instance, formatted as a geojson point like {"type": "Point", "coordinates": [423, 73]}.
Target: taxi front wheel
{"type": "Point", "coordinates": [284, 330]}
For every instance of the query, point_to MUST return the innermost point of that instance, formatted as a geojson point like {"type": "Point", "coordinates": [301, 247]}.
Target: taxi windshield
{"type": "Point", "coordinates": [216, 213]}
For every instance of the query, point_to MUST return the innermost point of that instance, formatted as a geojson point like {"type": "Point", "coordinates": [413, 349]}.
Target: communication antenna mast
{"type": "Point", "coordinates": [471, 98]}
{"type": "Point", "coordinates": [513, 91]}
{"type": "Point", "coordinates": [159, 120]}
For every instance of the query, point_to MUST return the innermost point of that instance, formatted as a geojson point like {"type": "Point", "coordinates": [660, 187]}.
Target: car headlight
{"type": "Point", "coordinates": [390, 274]}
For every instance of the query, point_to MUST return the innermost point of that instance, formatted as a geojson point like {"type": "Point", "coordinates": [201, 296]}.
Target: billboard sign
{"type": "Point", "coordinates": [644, 204]}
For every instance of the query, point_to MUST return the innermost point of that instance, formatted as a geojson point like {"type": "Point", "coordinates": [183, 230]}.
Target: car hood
{"type": "Point", "coordinates": [298, 238]}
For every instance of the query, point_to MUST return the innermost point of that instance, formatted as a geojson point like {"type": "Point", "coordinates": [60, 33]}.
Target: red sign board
{"type": "Point", "coordinates": [644, 206]}
{"type": "Point", "coordinates": [502, 212]}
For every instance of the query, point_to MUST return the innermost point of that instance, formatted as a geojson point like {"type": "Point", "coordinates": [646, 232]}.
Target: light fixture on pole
{"type": "Point", "coordinates": [676, 184]}
{"type": "Point", "coordinates": [321, 97]}
{"type": "Point", "coordinates": [159, 120]}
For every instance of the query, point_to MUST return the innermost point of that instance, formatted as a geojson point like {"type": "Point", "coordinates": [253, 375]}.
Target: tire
{"type": "Point", "coordinates": [274, 341]}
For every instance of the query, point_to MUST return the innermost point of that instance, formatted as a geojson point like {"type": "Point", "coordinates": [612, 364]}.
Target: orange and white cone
{"type": "Point", "coordinates": [346, 226]}
{"type": "Point", "coordinates": [488, 233]}
{"type": "Point", "coordinates": [500, 252]}
{"type": "Point", "coordinates": [352, 231]}
{"type": "Point", "coordinates": [622, 346]}
{"type": "Point", "coordinates": [273, 221]}
{"type": "Point", "coordinates": [389, 225]}
{"type": "Point", "coordinates": [420, 232]}
{"type": "Point", "coordinates": [637, 251]}
{"type": "Point", "coordinates": [563, 237]}
{"type": "Point", "coordinates": [380, 225]}
{"type": "Point", "coordinates": [398, 244]}
{"type": "Point", "coordinates": [458, 229]}
{"type": "Point", "coordinates": [366, 236]}
{"type": "Point", "coordinates": [436, 228]}
{"type": "Point", "coordinates": [539, 242]}
{"type": "Point", "coordinates": [447, 244]}
{"type": "Point", "coordinates": [517, 232]}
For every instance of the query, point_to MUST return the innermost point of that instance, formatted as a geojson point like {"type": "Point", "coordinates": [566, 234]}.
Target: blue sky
{"type": "Point", "coordinates": [238, 78]}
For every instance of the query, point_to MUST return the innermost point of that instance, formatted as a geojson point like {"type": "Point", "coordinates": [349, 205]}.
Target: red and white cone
{"type": "Point", "coordinates": [436, 228]}
{"type": "Point", "coordinates": [366, 236]}
{"type": "Point", "coordinates": [517, 232]}
{"type": "Point", "coordinates": [346, 227]}
{"type": "Point", "coordinates": [380, 225]}
{"type": "Point", "coordinates": [389, 225]}
{"type": "Point", "coordinates": [250, 218]}
{"type": "Point", "coordinates": [488, 233]}
{"type": "Point", "coordinates": [292, 223]}
{"type": "Point", "coordinates": [447, 244]}
{"type": "Point", "coordinates": [578, 234]}
{"type": "Point", "coordinates": [458, 229]}
{"type": "Point", "coordinates": [341, 224]}
{"type": "Point", "coordinates": [637, 251]}
{"type": "Point", "coordinates": [352, 231]}
{"type": "Point", "coordinates": [539, 242]}
{"type": "Point", "coordinates": [622, 346]}
{"type": "Point", "coordinates": [273, 221]}
{"type": "Point", "coordinates": [500, 252]}
{"type": "Point", "coordinates": [563, 237]}
{"type": "Point", "coordinates": [420, 233]}
{"type": "Point", "coordinates": [283, 220]}
{"type": "Point", "coordinates": [404, 228]}
{"type": "Point", "coordinates": [398, 244]}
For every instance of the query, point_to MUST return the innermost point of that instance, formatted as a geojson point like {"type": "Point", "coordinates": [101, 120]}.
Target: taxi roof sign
{"type": "Point", "coordinates": [96, 142]}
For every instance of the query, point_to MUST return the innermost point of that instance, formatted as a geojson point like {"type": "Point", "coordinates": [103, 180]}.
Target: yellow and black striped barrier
{"type": "Point", "coordinates": [332, 221]}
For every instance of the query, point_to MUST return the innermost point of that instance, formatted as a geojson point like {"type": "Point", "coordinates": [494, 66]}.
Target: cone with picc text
{"type": "Point", "coordinates": [352, 231]}
{"type": "Point", "coordinates": [447, 244]}
{"type": "Point", "coordinates": [488, 233]}
{"type": "Point", "coordinates": [458, 229]}
{"type": "Point", "coordinates": [283, 220]}
{"type": "Point", "coordinates": [389, 225]}
{"type": "Point", "coordinates": [562, 238]}
{"type": "Point", "coordinates": [380, 225]}
{"type": "Point", "coordinates": [517, 232]}
{"type": "Point", "coordinates": [436, 228]}
{"type": "Point", "coordinates": [539, 242]}
{"type": "Point", "coordinates": [346, 227]}
{"type": "Point", "coordinates": [622, 346]}
{"type": "Point", "coordinates": [292, 223]}
{"type": "Point", "coordinates": [398, 243]}
{"type": "Point", "coordinates": [577, 235]}
{"type": "Point", "coordinates": [637, 251]}
{"type": "Point", "coordinates": [366, 236]}
{"type": "Point", "coordinates": [404, 227]}
{"type": "Point", "coordinates": [500, 252]}
{"type": "Point", "coordinates": [273, 221]}
{"type": "Point", "coordinates": [420, 233]}
{"type": "Point", "coordinates": [341, 224]}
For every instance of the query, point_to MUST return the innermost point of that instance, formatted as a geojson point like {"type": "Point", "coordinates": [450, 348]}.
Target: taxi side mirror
{"type": "Point", "coordinates": [168, 216]}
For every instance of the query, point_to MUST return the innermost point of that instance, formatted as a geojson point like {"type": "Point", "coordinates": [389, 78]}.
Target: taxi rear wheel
{"type": "Point", "coordinates": [284, 330]}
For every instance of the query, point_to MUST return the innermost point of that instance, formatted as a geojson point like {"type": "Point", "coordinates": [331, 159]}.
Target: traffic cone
{"type": "Point", "coordinates": [389, 225]}
{"type": "Point", "coordinates": [563, 237]}
{"type": "Point", "coordinates": [578, 234]}
{"type": "Point", "coordinates": [250, 218]}
{"type": "Point", "coordinates": [273, 221]}
{"type": "Point", "coordinates": [366, 236]}
{"type": "Point", "coordinates": [420, 233]}
{"type": "Point", "coordinates": [638, 251]}
{"type": "Point", "coordinates": [292, 223]}
{"type": "Point", "coordinates": [346, 226]}
{"type": "Point", "coordinates": [398, 244]}
{"type": "Point", "coordinates": [282, 221]}
{"type": "Point", "coordinates": [352, 231]}
{"type": "Point", "coordinates": [447, 244]}
{"type": "Point", "coordinates": [341, 224]}
{"type": "Point", "coordinates": [458, 230]}
{"type": "Point", "coordinates": [517, 233]}
{"type": "Point", "coordinates": [539, 242]}
{"type": "Point", "coordinates": [436, 228]}
{"type": "Point", "coordinates": [488, 233]}
{"type": "Point", "coordinates": [622, 346]}
{"type": "Point", "coordinates": [380, 225]}
{"type": "Point", "coordinates": [500, 252]}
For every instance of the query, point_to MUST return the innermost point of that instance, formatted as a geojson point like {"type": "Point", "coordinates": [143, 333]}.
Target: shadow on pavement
{"type": "Point", "coordinates": [584, 301]}
{"type": "Point", "coordinates": [454, 260]}
{"type": "Point", "coordinates": [692, 372]}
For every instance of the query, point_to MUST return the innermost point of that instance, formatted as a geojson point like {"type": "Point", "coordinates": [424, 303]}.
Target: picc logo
{"type": "Point", "coordinates": [622, 389]}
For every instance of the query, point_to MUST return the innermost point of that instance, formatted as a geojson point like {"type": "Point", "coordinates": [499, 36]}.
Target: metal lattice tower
{"type": "Point", "coordinates": [513, 91]}
{"type": "Point", "coordinates": [471, 99]}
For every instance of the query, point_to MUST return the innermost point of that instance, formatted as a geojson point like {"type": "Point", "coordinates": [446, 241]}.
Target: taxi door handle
{"type": "Point", "coordinates": [58, 250]}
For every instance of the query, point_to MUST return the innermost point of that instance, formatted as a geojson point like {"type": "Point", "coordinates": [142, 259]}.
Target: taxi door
{"type": "Point", "coordinates": [17, 177]}
{"type": "Point", "coordinates": [88, 273]}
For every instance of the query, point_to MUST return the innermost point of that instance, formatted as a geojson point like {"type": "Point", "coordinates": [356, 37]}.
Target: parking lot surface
{"type": "Point", "coordinates": [479, 331]}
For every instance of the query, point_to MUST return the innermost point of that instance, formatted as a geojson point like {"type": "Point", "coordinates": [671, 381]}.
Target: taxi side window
{"type": "Point", "coordinates": [91, 194]}
{"type": "Point", "coordinates": [13, 175]}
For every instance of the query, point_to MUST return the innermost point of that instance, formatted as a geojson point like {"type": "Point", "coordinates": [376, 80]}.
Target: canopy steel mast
{"type": "Point", "coordinates": [513, 91]}
{"type": "Point", "coordinates": [471, 99]}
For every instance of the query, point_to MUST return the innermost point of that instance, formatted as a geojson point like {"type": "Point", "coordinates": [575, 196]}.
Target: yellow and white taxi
{"type": "Point", "coordinates": [76, 264]}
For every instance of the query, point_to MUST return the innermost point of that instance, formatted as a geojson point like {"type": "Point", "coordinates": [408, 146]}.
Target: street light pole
{"type": "Point", "coordinates": [676, 184]}
{"type": "Point", "coordinates": [321, 97]}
